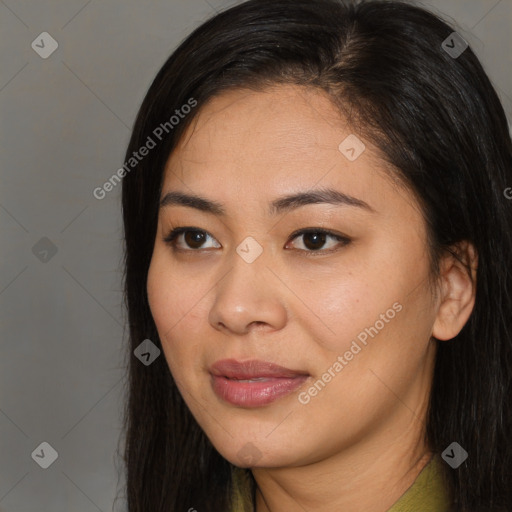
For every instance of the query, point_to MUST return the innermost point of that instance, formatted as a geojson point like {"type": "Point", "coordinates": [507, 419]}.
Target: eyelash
{"type": "Point", "coordinates": [173, 234]}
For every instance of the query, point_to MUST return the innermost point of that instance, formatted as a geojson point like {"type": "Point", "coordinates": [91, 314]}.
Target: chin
{"type": "Point", "coordinates": [253, 452]}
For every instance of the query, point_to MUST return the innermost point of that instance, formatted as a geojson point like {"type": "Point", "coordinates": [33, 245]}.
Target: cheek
{"type": "Point", "coordinates": [379, 302]}
{"type": "Point", "coordinates": [337, 308]}
{"type": "Point", "coordinates": [168, 308]}
{"type": "Point", "coordinates": [179, 314]}
{"type": "Point", "coordinates": [161, 300]}
{"type": "Point", "coordinates": [169, 298]}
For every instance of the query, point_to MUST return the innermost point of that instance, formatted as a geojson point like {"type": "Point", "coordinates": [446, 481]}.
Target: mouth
{"type": "Point", "coordinates": [253, 383]}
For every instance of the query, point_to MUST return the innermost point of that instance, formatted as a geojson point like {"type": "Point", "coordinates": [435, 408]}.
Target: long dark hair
{"type": "Point", "coordinates": [439, 123]}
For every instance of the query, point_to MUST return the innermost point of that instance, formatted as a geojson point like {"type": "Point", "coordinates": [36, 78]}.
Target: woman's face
{"type": "Point", "coordinates": [349, 318]}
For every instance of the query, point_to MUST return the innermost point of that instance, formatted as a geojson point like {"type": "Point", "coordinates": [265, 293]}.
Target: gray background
{"type": "Point", "coordinates": [66, 122]}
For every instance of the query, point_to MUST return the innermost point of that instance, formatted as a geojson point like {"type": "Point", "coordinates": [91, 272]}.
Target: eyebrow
{"type": "Point", "coordinates": [280, 205]}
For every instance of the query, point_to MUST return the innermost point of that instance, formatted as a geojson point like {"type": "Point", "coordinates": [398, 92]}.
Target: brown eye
{"type": "Point", "coordinates": [314, 240]}
{"type": "Point", "coordinates": [193, 238]}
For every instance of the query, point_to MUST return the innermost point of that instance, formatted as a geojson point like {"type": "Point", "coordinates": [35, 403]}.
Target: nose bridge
{"type": "Point", "coordinates": [248, 293]}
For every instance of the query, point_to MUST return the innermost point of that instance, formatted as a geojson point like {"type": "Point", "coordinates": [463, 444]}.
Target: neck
{"type": "Point", "coordinates": [364, 477]}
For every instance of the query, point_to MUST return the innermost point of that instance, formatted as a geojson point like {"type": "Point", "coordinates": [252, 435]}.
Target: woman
{"type": "Point", "coordinates": [318, 242]}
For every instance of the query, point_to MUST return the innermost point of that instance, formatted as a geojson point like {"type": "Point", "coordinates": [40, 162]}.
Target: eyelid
{"type": "Point", "coordinates": [342, 239]}
{"type": "Point", "coordinates": [174, 233]}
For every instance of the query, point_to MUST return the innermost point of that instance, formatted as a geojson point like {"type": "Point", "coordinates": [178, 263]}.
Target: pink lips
{"type": "Point", "coordinates": [253, 383]}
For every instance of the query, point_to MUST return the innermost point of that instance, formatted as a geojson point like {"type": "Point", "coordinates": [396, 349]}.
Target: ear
{"type": "Point", "coordinates": [457, 290]}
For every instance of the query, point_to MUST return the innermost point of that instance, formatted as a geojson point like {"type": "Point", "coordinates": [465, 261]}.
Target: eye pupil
{"type": "Point", "coordinates": [313, 241]}
{"type": "Point", "coordinates": [194, 237]}
{"type": "Point", "coordinates": [319, 238]}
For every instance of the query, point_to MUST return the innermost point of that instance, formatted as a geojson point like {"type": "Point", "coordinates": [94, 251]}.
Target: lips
{"type": "Point", "coordinates": [253, 383]}
{"type": "Point", "coordinates": [254, 369]}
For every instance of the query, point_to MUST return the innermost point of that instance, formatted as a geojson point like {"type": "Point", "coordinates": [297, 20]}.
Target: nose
{"type": "Point", "coordinates": [249, 296]}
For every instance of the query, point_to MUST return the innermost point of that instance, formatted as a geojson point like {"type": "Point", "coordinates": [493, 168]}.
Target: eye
{"type": "Point", "coordinates": [193, 237]}
{"type": "Point", "coordinates": [314, 239]}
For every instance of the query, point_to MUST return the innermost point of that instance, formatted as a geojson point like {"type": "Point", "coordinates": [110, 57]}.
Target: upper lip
{"type": "Point", "coordinates": [233, 369]}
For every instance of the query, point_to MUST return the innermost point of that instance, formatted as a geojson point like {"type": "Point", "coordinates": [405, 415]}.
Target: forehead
{"type": "Point", "coordinates": [281, 123]}
{"type": "Point", "coordinates": [285, 138]}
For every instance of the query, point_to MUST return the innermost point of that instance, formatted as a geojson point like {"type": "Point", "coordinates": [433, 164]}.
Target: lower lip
{"type": "Point", "coordinates": [255, 393]}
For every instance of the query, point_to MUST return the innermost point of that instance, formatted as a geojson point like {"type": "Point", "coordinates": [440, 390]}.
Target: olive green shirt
{"type": "Point", "coordinates": [428, 493]}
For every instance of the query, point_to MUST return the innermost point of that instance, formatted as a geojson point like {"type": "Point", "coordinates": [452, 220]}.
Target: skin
{"type": "Point", "coordinates": [358, 444]}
